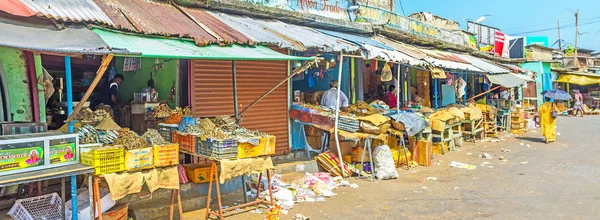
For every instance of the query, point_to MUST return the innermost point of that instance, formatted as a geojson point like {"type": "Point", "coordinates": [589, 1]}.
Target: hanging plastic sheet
{"type": "Point", "coordinates": [412, 122]}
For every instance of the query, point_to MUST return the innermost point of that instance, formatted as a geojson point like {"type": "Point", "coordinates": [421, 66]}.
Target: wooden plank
{"type": "Point", "coordinates": [105, 61]}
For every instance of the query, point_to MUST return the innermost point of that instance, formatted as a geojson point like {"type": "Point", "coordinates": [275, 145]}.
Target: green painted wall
{"type": "Point", "coordinates": [136, 81]}
{"type": "Point", "coordinates": [13, 61]}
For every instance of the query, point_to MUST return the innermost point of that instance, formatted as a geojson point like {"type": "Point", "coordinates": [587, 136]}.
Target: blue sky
{"type": "Point", "coordinates": [519, 16]}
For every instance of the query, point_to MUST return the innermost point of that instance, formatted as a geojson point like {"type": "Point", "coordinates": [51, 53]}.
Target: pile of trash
{"type": "Point", "coordinates": [313, 188]}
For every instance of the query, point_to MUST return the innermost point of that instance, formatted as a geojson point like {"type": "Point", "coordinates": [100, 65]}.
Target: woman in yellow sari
{"type": "Point", "coordinates": [548, 123]}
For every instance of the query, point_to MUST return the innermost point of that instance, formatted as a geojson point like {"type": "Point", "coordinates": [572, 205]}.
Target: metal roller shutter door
{"type": "Point", "coordinates": [212, 95]}
{"type": "Point", "coordinates": [269, 115]}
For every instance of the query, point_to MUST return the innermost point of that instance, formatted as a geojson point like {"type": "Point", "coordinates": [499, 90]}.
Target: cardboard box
{"type": "Point", "coordinates": [345, 147]}
{"type": "Point", "coordinates": [313, 131]}
{"type": "Point", "coordinates": [117, 212]}
{"type": "Point", "coordinates": [357, 154]}
{"type": "Point", "coordinates": [423, 153]}
{"type": "Point", "coordinates": [198, 172]}
{"type": "Point", "coordinates": [266, 146]}
{"type": "Point", "coordinates": [314, 142]}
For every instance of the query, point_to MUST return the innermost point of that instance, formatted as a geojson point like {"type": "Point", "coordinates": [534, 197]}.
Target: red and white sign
{"type": "Point", "coordinates": [501, 43]}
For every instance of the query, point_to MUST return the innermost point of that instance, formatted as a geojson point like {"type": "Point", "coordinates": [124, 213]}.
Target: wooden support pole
{"type": "Point", "coordinates": [105, 61]}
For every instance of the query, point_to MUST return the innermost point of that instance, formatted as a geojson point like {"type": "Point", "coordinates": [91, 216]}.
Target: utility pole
{"type": "Point", "coordinates": [559, 41]}
{"type": "Point", "coordinates": [576, 37]}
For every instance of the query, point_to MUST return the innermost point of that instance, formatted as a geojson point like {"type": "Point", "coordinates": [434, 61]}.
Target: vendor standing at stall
{"type": "Point", "coordinates": [110, 96]}
{"type": "Point", "coordinates": [329, 98]}
{"type": "Point", "coordinates": [391, 98]}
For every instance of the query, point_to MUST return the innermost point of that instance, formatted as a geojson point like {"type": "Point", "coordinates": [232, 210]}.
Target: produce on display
{"type": "Point", "coordinates": [161, 111]}
{"type": "Point", "coordinates": [108, 124]}
{"type": "Point", "coordinates": [87, 115]}
{"type": "Point", "coordinates": [154, 138]}
{"type": "Point", "coordinates": [130, 141]}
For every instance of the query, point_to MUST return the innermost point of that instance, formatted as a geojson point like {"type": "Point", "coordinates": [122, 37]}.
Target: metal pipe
{"type": "Point", "coordinates": [435, 94]}
{"type": "Point", "coordinates": [69, 83]}
{"type": "Point", "coordinates": [398, 87]}
{"type": "Point", "coordinates": [337, 115]}
{"type": "Point", "coordinates": [235, 98]}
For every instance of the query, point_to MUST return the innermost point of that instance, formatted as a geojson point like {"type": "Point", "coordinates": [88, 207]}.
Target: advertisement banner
{"type": "Point", "coordinates": [62, 153]}
{"type": "Point", "coordinates": [19, 158]}
{"type": "Point", "coordinates": [499, 44]}
{"type": "Point", "coordinates": [539, 40]}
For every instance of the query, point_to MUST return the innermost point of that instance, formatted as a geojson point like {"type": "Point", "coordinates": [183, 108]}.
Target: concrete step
{"type": "Point", "coordinates": [310, 166]}
{"type": "Point", "coordinates": [159, 208]}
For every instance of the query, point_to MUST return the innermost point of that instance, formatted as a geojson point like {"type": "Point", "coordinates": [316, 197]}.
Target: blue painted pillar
{"type": "Point", "coordinates": [466, 76]}
{"type": "Point", "coordinates": [69, 84]}
{"type": "Point", "coordinates": [435, 94]}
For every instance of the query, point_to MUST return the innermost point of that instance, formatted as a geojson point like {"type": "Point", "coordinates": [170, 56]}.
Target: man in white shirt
{"type": "Point", "coordinates": [330, 96]}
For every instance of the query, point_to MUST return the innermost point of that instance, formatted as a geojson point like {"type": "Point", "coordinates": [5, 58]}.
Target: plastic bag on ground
{"type": "Point", "coordinates": [284, 198]}
{"type": "Point", "coordinates": [384, 163]}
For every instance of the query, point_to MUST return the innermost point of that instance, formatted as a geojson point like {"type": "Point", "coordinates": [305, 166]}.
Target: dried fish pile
{"type": "Point", "coordinates": [182, 111]}
{"type": "Point", "coordinates": [217, 133]}
{"type": "Point", "coordinates": [153, 137]}
{"type": "Point", "coordinates": [92, 116]}
{"type": "Point", "coordinates": [225, 122]}
{"type": "Point", "coordinates": [206, 124]}
{"type": "Point", "coordinates": [244, 133]}
{"type": "Point", "coordinates": [87, 134]}
{"type": "Point", "coordinates": [193, 129]}
{"type": "Point", "coordinates": [65, 127]}
{"type": "Point", "coordinates": [131, 141]}
{"type": "Point", "coordinates": [108, 124]}
{"type": "Point", "coordinates": [109, 137]}
{"type": "Point", "coordinates": [161, 111]}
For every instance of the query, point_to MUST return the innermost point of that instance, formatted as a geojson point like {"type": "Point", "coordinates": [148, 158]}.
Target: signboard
{"type": "Point", "coordinates": [539, 40]}
{"type": "Point", "coordinates": [402, 23]}
{"type": "Point", "coordinates": [484, 34]}
{"type": "Point", "coordinates": [337, 9]}
{"type": "Point", "coordinates": [499, 44]}
{"type": "Point", "coordinates": [382, 4]}
{"type": "Point", "coordinates": [132, 63]}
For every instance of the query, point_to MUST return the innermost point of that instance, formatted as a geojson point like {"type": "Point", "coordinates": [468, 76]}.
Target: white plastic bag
{"type": "Point", "coordinates": [384, 163]}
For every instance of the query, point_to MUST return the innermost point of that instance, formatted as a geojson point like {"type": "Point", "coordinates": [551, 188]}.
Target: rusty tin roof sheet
{"type": "Point", "coordinates": [164, 19]}
{"type": "Point", "coordinates": [285, 35]}
{"type": "Point", "coordinates": [68, 10]}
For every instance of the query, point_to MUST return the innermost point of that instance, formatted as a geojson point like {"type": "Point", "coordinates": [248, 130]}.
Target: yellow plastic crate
{"type": "Point", "coordinates": [104, 160]}
{"type": "Point", "coordinates": [166, 155]}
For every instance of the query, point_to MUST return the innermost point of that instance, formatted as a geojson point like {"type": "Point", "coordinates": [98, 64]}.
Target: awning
{"type": "Point", "coordinates": [285, 35]}
{"type": "Point", "coordinates": [448, 60]}
{"type": "Point", "coordinates": [37, 34]}
{"type": "Point", "coordinates": [159, 47]}
{"type": "Point", "coordinates": [373, 49]}
{"type": "Point", "coordinates": [16, 7]}
{"type": "Point", "coordinates": [483, 65]}
{"type": "Point", "coordinates": [508, 80]}
{"type": "Point", "coordinates": [579, 78]}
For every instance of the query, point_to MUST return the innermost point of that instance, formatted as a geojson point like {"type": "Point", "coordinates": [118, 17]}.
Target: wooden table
{"type": "Point", "coordinates": [52, 173]}
{"type": "Point", "coordinates": [476, 127]}
{"type": "Point", "coordinates": [450, 133]}
{"type": "Point", "coordinates": [214, 178]}
{"type": "Point", "coordinates": [98, 197]}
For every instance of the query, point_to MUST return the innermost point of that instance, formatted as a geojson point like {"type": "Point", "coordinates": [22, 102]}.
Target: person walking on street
{"type": "Point", "coordinates": [578, 104]}
{"type": "Point", "coordinates": [548, 113]}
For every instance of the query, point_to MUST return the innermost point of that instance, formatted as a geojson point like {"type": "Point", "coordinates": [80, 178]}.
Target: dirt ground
{"type": "Point", "coordinates": [538, 181]}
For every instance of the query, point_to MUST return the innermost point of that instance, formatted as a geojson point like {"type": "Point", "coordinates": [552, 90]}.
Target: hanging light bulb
{"type": "Point", "coordinates": [298, 64]}
{"type": "Point", "coordinates": [332, 60]}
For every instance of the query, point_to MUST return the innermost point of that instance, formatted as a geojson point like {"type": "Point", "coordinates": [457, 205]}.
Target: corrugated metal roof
{"type": "Point", "coordinates": [164, 19]}
{"type": "Point", "coordinates": [372, 49]}
{"type": "Point", "coordinates": [448, 61]}
{"type": "Point", "coordinates": [68, 10]}
{"type": "Point", "coordinates": [42, 35]}
{"type": "Point", "coordinates": [285, 35]}
{"type": "Point", "coordinates": [402, 47]}
{"type": "Point", "coordinates": [483, 65]}
{"type": "Point", "coordinates": [16, 7]}
{"type": "Point", "coordinates": [508, 80]}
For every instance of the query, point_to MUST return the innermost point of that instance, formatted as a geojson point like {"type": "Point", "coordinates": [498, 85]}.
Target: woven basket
{"type": "Point", "coordinates": [398, 126]}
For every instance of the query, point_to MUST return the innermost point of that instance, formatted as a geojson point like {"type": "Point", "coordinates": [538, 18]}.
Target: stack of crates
{"type": "Point", "coordinates": [105, 159]}
{"type": "Point", "coordinates": [166, 131]}
{"type": "Point", "coordinates": [518, 122]}
{"type": "Point", "coordinates": [219, 149]}
{"type": "Point", "coordinates": [187, 142]}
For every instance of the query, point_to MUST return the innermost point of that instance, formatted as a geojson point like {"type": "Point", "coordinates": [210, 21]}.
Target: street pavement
{"type": "Point", "coordinates": [560, 180]}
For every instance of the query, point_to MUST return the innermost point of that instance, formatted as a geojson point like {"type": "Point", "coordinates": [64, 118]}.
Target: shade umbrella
{"type": "Point", "coordinates": [557, 94]}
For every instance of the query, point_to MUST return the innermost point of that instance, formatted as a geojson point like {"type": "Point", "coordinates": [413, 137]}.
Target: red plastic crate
{"type": "Point", "coordinates": [300, 115]}
{"type": "Point", "coordinates": [187, 142]}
